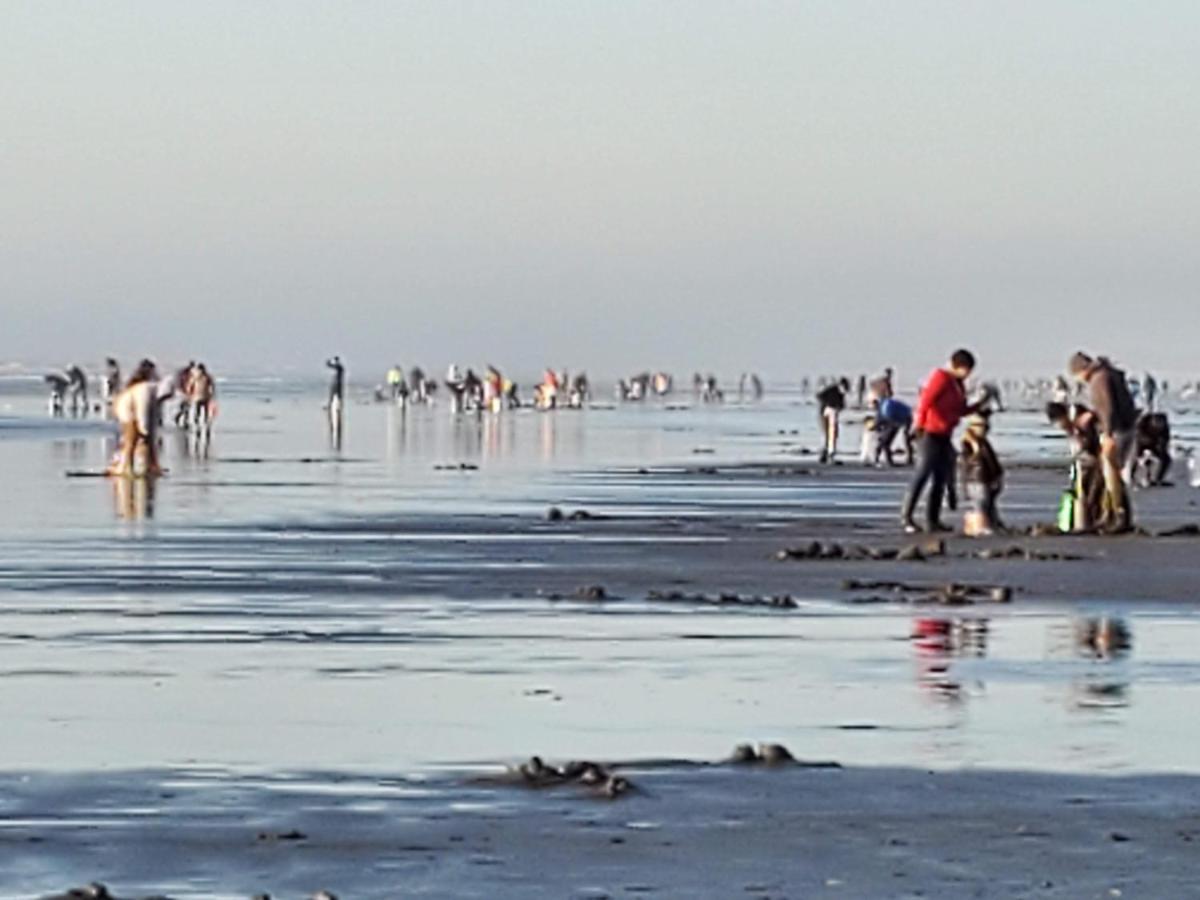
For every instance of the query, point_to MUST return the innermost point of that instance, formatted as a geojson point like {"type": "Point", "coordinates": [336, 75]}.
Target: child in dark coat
{"type": "Point", "coordinates": [982, 474]}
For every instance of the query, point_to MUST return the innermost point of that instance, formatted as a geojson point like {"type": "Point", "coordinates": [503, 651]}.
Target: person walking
{"type": "Point", "coordinates": [942, 405]}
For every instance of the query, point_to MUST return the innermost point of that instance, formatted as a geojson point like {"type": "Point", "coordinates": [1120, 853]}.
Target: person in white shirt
{"type": "Point", "coordinates": [136, 412]}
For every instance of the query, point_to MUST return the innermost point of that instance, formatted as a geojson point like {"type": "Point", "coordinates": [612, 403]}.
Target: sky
{"type": "Point", "coordinates": [782, 187]}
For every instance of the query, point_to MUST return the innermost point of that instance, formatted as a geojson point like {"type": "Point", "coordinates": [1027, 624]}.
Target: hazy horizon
{"type": "Point", "coordinates": [788, 188]}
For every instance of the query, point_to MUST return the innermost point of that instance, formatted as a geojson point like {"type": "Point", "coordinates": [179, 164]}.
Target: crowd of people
{"type": "Point", "coordinates": [1114, 441]}
{"type": "Point", "coordinates": [138, 407]}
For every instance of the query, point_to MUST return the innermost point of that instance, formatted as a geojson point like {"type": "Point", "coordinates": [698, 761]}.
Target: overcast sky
{"type": "Point", "coordinates": [790, 187]}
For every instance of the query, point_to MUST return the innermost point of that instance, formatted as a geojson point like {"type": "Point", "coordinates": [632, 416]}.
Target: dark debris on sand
{"type": "Point", "coordinates": [97, 891]}
{"type": "Point", "coordinates": [935, 548]}
{"type": "Point", "coordinates": [602, 780]}
{"type": "Point", "coordinates": [778, 601]}
{"type": "Point", "coordinates": [952, 594]}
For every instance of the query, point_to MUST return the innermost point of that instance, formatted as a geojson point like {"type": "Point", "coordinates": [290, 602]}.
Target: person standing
{"type": "Point", "coordinates": [78, 387]}
{"type": "Point", "coordinates": [112, 381]}
{"type": "Point", "coordinates": [337, 391]}
{"type": "Point", "coordinates": [202, 395]}
{"type": "Point", "coordinates": [942, 405]}
{"type": "Point", "coordinates": [1150, 392]}
{"type": "Point", "coordinates": [1116, 417]}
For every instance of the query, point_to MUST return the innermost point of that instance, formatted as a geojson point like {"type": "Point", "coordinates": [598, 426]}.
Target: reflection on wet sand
{"type": "Point", "coordinates": [133, 498]}
{"type": "Point", "coordinates": [1107, 641]}
{"type": "Point", "coordinates": [938, 642]}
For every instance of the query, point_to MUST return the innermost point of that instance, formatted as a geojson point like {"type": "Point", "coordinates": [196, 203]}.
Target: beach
{"type": "Point", "coordinates": [289, 668]}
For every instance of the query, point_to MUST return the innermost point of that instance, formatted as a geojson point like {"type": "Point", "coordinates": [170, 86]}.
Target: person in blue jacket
{"type": "Point", "coordinates": [893, 417]}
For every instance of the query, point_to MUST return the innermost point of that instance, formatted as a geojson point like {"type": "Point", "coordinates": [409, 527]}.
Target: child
{"type": "Point", "coordinates": [1087, 478]}
{"type": "Point", "coordinates": [982, 468]}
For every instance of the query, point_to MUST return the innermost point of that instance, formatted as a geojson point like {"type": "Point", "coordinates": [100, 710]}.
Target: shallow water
{"type": "Point", "coordinates": [238, 616]}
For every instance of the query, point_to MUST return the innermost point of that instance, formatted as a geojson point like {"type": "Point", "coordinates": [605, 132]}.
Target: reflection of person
{"type": "Point", "coordinates": [937, 642]}
{"type": "Point", "coordinates": [1116, 418]}
{"type": "Point", "coordinates": [133, 498]}
{"type": "Point", "coordinates": [1103, 637]}
{"type": "Point", "coordinates": [942, 405]}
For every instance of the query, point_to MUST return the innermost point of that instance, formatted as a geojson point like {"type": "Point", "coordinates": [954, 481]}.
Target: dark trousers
{"type": "Point", "coordinates": [936, 465]}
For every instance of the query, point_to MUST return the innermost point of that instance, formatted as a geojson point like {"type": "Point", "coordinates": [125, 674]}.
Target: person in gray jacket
{"type": "Point", "coordinates": [1116, 418]}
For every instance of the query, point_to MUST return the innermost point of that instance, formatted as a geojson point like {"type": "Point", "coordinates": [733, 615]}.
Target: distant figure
{"type": "Point", "coordinates": [711, 392]}
{"type": "Point", "coordinates": [881, 388]}
{"type": "Point", "coordinates": [112, 380]}
{"type": "Point", "coordinates": [1116, 418]}
{"type": "Point", "coordinates": [456, 386]}
{"type": "Point", "coordinates": [860, 392]}
{"type": "Point", "coordinates": [419, 386]}
{"type": "Point", "coordinates": [493, 389]}
{"type": "Point", "coordinates": [546, 393]}
{"type": "Point", "coordinates": [1062, 391]}
{"type": "Point", "coordinates": [1153, 451]}
{"type": "Point", "coordinates": [183, 379]}
{"type": "Point", "coordinates": [831, 400]}
{"type": "Point", "coordinates": [202, 393]}
{"type": "Point", "coordinates": [337, 382]}
{"type": "Point", "coordinates": [942, 405]}
{"type": "Point", "coordinates": [1150, 392]}
{"type": "Point", "coordinates": [397, 383]}
{"type": "Point", "coordinates": [337, 397]}
{"type": "Point", "coordinates": [512, 399]}
{"type": "Point", "coordinates": [58, 393]}
{"type": "Point", "coordinates": [580, 391]}
{"type": "Point", "coordinates": [983, 475]}
{"type": "Point", "coordinates": [756, 387]}
{"type": "Point", "coordinates": [472, 391]}
{"type": "Point", "coordinates": [78, 389]}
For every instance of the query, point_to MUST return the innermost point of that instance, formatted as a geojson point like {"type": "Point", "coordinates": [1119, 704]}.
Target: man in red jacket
{"type": "Point", "coordinates": [943, 403]}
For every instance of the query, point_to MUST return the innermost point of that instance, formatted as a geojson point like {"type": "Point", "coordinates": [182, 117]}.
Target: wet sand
{"type": "Point", "coordinates": [201, 703]}
{"type": "Point", "coordinates": [690, 832]}
{"type": "Point", "coordinates": [713, 546]}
